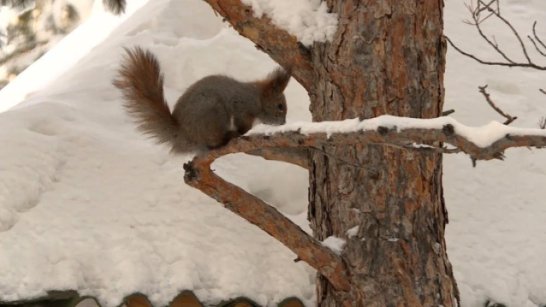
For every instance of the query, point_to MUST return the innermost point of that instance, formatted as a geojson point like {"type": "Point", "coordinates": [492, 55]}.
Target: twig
{"type": "Point", "coordinates": [542, 91]}
{"type": "Point", "coordinates": [509, 118]}
{"type": "Point", "coordinates": [475, 12]}
{"type": "Point", "coordinates": [537, 38]}
{"type": "Point", "coordinates": [477, 22]}
{"type": "Point", "coordinates": [448, 112]}
{"type": "Point", "coordinates": [536, 46]}
{"type": "Point", "coordinates": [542, 123]}
{"type": "Point", "coordinates": [532, 65]}
{"type": "Point", "coordinates": [480, 9]}
{"type": "Point", "coordinates": [516, 34]}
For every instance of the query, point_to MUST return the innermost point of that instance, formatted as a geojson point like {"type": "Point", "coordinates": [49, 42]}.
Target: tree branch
{"type": "Point", "coordinates": [476, 12]}
{"type": "Point", "coordinates": [511, 27]}
{"type": "Point", "coordinates": [509, 118]}
{"type": "Point", "coordinates": [199, 175]}
{"type": "Point", "coordinates": [403, 133]}
{"type": "Point", "coordinates": [476, 21]}
{"type": "Point", "coordinates": [537, 38]}
{"type": "Point", "coordinates": [296, 156]}
{"type": "Point", "coordinates": [486, 62]}
{"type": "Point", "coordinates": [277, 43]}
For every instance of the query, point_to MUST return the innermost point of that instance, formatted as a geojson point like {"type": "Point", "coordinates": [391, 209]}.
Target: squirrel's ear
{"type": "Point", "coordinates": [276, 81]}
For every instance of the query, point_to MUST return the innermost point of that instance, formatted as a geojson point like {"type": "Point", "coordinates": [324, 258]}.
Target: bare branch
{"type": "Point", "coordinates": [536, 36]}
{"type": "Point", "coordinates": [542, 91]}
{"type": "Point", "coordinates": [481, 7]}
{"type": "Point", "coordinates": [279, 44]}
{"type": "Point", "coordinates": [509, 118]}
{"type": "Point", "coordinates": [477, 23]}
{"type": "Point", "coordinates": [448, 112]}
{"type": "Point", "coordinates": [536, 46]}
{"type": "Point", "coordinates": [511, 27]}
{"type": "Point", "coordinates": [538, 40]}
{"type": "Point", "coordinates": [296, 156]}
{"type": "Point", "coordinates": [542, 123]}
{"type": "Point", "coordinates": [199, 175]}
{"type": "Point", "coordinates": [476, 12]}
{"type": "Point", "coordinates": [527, 65]}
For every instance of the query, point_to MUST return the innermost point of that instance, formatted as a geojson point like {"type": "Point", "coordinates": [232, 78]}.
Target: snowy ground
{"type": "Point", "coordinates": [86, 202]}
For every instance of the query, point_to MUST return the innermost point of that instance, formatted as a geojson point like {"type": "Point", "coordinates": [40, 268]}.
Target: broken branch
{"type": "Point", "coordinates": [509, 118]}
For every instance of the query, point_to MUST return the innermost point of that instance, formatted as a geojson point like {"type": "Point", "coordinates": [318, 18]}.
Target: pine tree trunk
{"type": "Point", "coordinates": [387, 58]}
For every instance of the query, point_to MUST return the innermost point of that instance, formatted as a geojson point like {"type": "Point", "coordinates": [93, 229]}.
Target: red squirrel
{"type": "Point", "coordinates": [210, 113]}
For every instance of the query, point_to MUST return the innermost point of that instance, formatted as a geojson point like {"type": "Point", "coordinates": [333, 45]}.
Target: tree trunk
{"type": "Point", "coordinates": [387, 58]}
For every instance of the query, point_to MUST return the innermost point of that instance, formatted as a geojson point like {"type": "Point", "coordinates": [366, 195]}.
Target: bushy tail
{"type": "Point", "coordinates": [141, 82]}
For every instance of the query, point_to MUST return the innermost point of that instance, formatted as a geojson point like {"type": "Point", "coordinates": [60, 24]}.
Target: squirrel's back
{"type": "Point", "coordinates": [216, 108]}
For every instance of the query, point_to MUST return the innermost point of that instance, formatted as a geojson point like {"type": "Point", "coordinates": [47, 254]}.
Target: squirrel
{"type": "Point", "coordinates": [210, 113]}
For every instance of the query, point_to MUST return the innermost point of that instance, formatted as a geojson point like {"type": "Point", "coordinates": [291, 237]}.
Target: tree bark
{"type": "Point", "coordinates": [387, 57]}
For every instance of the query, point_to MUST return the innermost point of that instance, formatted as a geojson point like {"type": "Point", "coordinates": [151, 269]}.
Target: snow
{"type": "Point", "coordinates": [495, 235]}
{"type": "Point", "coordinates": [308, 20]}
{"type": "Point", "coordinates": [352, 232]}
{"type": "Point", "coordinates": [481, 136]}
{"type": "Point", "coordinates": [335, 244]}
{"type": "Point", "coordinates": [68, 51]}
{"type": "Point", "coordinates": [87, 203]}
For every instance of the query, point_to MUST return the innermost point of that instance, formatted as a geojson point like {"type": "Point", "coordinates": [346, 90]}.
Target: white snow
{"type": "Point", "coordinates": [481, 136]}
{"type": "Point", "coordinates": [308, 20]}
{"type": "Point", "coordinates": [87, 203]}
{"type": "Point", "coordinates": [335, 244]}
{"type": "Point", "coordinates": [68, 51]}
{"type": "Point", "coordinates": [496, 230]}
{"type": "Point", "coordinates": [352, 232]}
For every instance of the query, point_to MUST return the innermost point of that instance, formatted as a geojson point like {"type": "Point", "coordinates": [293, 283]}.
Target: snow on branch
{"type": "Point", "coordinates": [481, 143]}
{"type": "Point", "coordinates": [308, 20]}
{"type": "Point", "coordinates": [283, 47]}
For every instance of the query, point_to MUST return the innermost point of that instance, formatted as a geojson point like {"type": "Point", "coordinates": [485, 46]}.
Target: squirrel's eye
{"type": "Point", "coordinates": [280, 106]}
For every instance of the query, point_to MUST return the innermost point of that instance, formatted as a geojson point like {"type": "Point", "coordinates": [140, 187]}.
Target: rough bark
{"type": "Point", "coordinates": [387, 57]}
